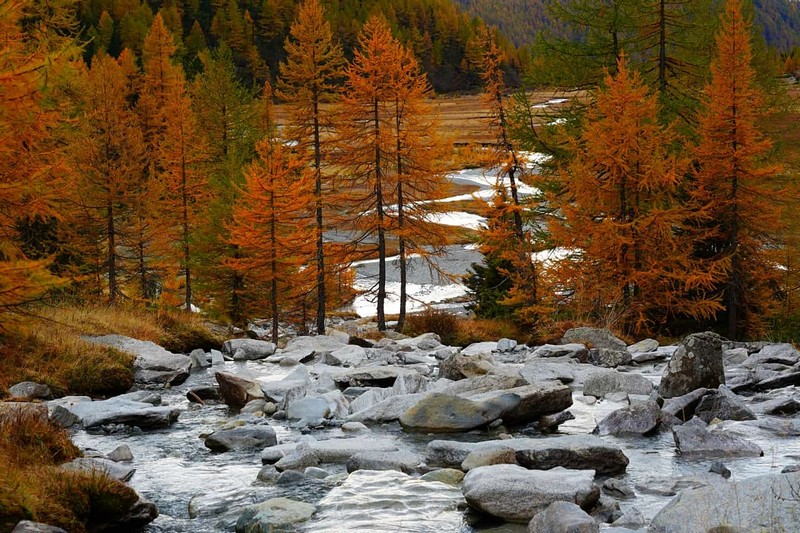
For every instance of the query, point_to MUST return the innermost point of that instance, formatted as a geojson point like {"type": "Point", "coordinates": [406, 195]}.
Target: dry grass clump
{"type": "Point", "coordinates": [458, 331]}
{"type": "Point", "coordinates": [32, 487]}
{"type": "Point", "coordinates": [50, 350]}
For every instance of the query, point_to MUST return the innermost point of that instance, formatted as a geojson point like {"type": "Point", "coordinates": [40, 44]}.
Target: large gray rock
{"type": "Point", "coordinates": [248, 349]}
{"type": "Point", "coordinates": [243, 438]}
{"type": "Point", "coordinates": [120, 410]}
{"type": "Point", "coordinates": [763, 503]}
{"type": "Point", "coordinates": [499, 455]}
{"type": "Point", "coordinates": [336, 451]}
{"type": "Point", "coordinates": [308, 408]}
{"type": "Point", "coordinates": [537, 370]}
{"type": "Point", "coordinates": [477, 385]}
{"type": "Point", "coordinates": [153, 364]}
{"type": "Point", "coordinates": [694, 439]}
{"type": "Point", "coordinates": [696, 363]}
{"type": "Point", "coordinates": [277, 514]}
{"type": "Point", "coordinates": [372, 376]}
{"type": "Point", "coordinates": [563, 517]}
{"type": "Point", "coordinates": [536, 400]}
{"type": "Point", "coordinates": [578, 452]}
{"type": "Point", "coordinates": [30, 390]}
{"type": "Point", "coordinates": [463, 365]}
{"type": "Point", "coordinates": [301, 458]}
{"type": "Point", "coordinates": [609, 358]}
{"type": "Point", "coordinates": [441, 413]}
{"type": "Point", "coordinates": [610, 381]}
{"type": "Point", "coordinates": [573, 351]}
{"type": "Point", "coordinates": [644, 346]}
{"type": "Point", "coordinates": [388, 410]}
{"type": "Point", "coordinates": [199, 359]}
{"type": "Point", "coordinates": [402, 461]}
{"type": "Point", "coordinates": [784, 354]}
{"type": "Point", "coordinates": [637, 419]}
{"type": "Point", "coordinates": [724, 405]}
{"type": "Point", "coordinates": [683, 406]}
{"type": "Point", "coordinates": [238, 391]}
{"type": "Point", "coordinates": [594, 338]}
{"type": "Point", "coordinates": [516, 494]}
{"type": "Point", "coordinates": [104, 466]}
{"type": "Point", "coordinates": [348, 355]}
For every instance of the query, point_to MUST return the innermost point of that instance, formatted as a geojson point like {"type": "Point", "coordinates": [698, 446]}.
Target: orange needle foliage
{"type": "Point", "coordinates": [108, 157]}
{"type": "Point", "coordinates": [29, 161]}
{"type": "Point", "coordinates": [736, 191]}
{"type": "Point", "coordinates": [314, 64]}
{"type": "Point", "coordinates": [273, 229]}
{"type": "Point", "coordinates": [622, 218]}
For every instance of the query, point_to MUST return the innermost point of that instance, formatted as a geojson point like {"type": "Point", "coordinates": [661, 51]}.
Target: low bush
{"type": "Point", "coordinates": [444, 324]}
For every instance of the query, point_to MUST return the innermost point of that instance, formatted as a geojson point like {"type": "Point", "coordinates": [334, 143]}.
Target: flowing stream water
{"type": "Point", "coordinates": [200, 491]}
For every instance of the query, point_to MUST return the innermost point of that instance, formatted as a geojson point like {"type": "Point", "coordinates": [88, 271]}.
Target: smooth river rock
{"type": "Point", "coordinates": [336, 451]}
{"type": "Point", "coordinates": [536, 400]}
{"type": "Point", "coordinates": [238, 391]}
{"type": "Point", "coordinates": [724, 405]}
{"type": "Point", "coordinates": [277, 514]}
{"type": "Point", "coordinates": [579, 452]}
{"type": "Point", "coordinates": [442, 413]}
{"type": "Point", "coordinates": [153, 364]}
{"type": "Point", "coordinates": [242, 438]}
{"type": "Point", "coordinates": [563, 517]}
{"type": "Point", "coordinates": [640, 418]}
{"type": "Point", "coordinates": [694, 439]}
{"type": "Point", "coordinates": [120, 410]}
{"type": "Point", "coordinates": [696, 363]}
{"type": "Point", "coordinates": [516, 494]}
{"type": "Point", "coordinates": [762, 503]}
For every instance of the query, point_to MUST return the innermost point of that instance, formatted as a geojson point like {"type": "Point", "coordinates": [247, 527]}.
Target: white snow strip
{"type": "Point", "coordinates": [460, 219]}
{"type": "Point", "coordinates": [419, 296]}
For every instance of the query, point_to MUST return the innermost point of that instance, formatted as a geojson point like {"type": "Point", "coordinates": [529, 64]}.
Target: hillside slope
{"type": "Point", "coordinates": [520, 20]}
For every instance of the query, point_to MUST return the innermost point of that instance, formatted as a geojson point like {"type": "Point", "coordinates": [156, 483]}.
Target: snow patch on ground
{"type": "Point", "coordinates": [460, 219]}
{"type": "Point", "coordinates": [419, 297]}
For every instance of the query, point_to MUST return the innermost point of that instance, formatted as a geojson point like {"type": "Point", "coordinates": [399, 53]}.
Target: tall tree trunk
{"type": "Point", "coordinates": [112, 254]}
{"type": "Point", "coordinates": [185, 201]}
{"type": "Point", "coordinates": [381, 233]}
{"type": "Point", "coordinates": [319, 230]}
{"type": "Point", "coordinates": [401, 317]}
{"type": "Point", "coordinates": [274, 266]}
{"type": "Point", "coordinates": [662, 48]}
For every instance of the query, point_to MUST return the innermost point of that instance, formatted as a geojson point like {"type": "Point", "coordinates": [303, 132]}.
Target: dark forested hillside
{"type": "Point", "coordinates": [442, 36]}
{"type": "Point", "coordinates": [520, 20]}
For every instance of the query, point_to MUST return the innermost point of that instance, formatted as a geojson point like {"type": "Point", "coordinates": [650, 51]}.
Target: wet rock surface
{"type": "Point", "coordinates": [376, 436]}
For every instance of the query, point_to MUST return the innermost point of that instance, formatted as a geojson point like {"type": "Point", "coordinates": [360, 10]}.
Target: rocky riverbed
{"type": "Point", "coordinates": [336, 433]}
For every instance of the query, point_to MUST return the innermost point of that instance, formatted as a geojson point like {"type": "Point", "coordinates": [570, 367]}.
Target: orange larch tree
{"type": "Point", "coordinates": [162, 78]}
{"type": "Point", "coordinates": [367, 146]}
{"type": "Point", "coordinates": [183, 180]}
{"type": "Point", "coordinates": [621, 218]}
{"type": "Point", "coordinates": [108, 158]}
{"type": "Point", "coordinates": [419, 171]}
{"type": "Point", "coordinates": [272, 226]}
{"type": "Point", "coordinates": [29, 161]}
{"type": "Point", "coordinates": [735, 189]}
{"type": "Point", "coordinates": [308, 80]}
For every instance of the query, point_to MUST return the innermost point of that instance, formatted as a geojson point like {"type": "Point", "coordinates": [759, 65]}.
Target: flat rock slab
{"type": "Point", "coordinates": [442, 413]}
{"type": "Point", "coordinates": [724, 405]}
{"type": "Point", "coordinates": [123, 411]}
{"type": "Point", "coordinates": [243, 438]}
{"type": "Point", "coordinates": [637, 419]}
{"type": "Point", "coordinates": [536, 371]}
{"type": "Point", "coordinates": [274, 515]}
{"type": "Point", "coordinates": [105, 466]}
{"type": "Point", "coordinates": [317, 343]}
{"type": "Point", "coordinates": [601, 383]}
{"type": "Point", "coordinates": [387, 410]}
{"type": "Point", "coordinates": [574, 351]}
{"type": "Point", "coordinates": [516, 494]}
{"type": "Point", "coordinates": [763, 503]}
{"type": "Point", "coordinates": [594, 338]}
{"type": "Point", "coordinates": [695, 440]}
{"type": "Point", "coordinates": [248, 349]}
{"type": "Point", "coordinates": [536, 400]}
{"type": "Point", "coordinates": [402, 461]}
{"type": "Point", "coordinates": [579, 452]}
{"type": "Point", "coordinates": [335, 451]}
{"type": "Point", "coordinates": [153, 364]}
